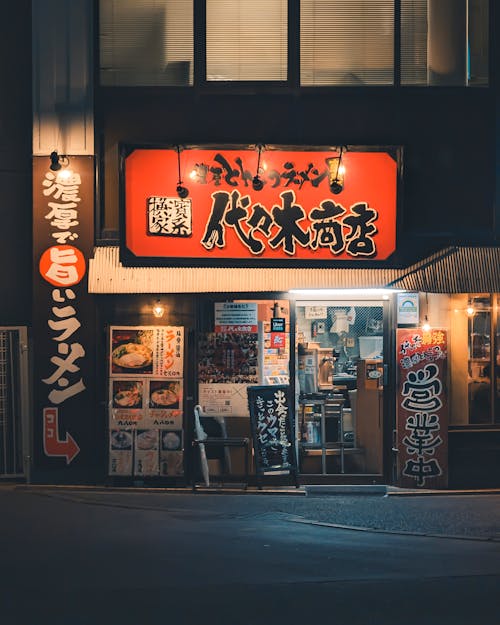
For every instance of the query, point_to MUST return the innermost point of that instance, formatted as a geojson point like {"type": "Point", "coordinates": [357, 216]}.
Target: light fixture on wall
{"type": "Point", "coordinates": [158, 309]}
{"type": "Point", "coordinates": [58, 161]}
{"type": "Point", "coordinates": [470, 310]}
{"type": "Point", "coordinates": [182, 191]}
{"type": "Point", "coordinates": [426, 326]}
{"type": "Point", "coordinates": [257, 182]}
{"type": "Point", "coordinates": [336, 172]}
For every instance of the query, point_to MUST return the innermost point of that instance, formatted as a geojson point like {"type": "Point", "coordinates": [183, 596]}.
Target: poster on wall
{"type": "Point", "coordinates": [228, 358]}
{"type": "Point", "coordinates": [226, 400]}
{"type": "Point", "coordinates": [422, 408]}
{"type": "Point", "coordinates": [408, 309]}
{"type": "Point", "coordinates": [228, 363]}
{"type": "Point", "coordinates": [235, 316]}
{"type": "Point", "coordinates": [146, 399]}
{"type": "Point", "coordinates": [145, 402]}
{"type": "Point", "coordinates": [147, 350]}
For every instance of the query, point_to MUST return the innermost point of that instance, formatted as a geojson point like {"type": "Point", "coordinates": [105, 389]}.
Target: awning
{"type": "Point", "coordinates": [453, 270]}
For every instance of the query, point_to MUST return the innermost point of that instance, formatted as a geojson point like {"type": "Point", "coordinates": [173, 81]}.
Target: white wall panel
{"type": "Point", "coordinates": [63, 116]}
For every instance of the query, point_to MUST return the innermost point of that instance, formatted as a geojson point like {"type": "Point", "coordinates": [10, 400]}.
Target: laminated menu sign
{"type": "Point", "coordinates": [146, 452]}
{"type": "Point", "coordinates": [146, 398]}
{"type": "Point", "coordinates": [272, 430]}
{"type": "Point", "coordinates": [147, 350]}
{"type": "Point", "coordinates": [120, 453]}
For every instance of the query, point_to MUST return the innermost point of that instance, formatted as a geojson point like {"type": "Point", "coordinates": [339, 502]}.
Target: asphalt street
{"type": "Point", "coordinates": [85, 556]}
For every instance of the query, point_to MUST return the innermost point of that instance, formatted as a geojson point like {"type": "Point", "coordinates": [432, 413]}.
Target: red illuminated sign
{"type": "Point", "coordinates": [294, 217]}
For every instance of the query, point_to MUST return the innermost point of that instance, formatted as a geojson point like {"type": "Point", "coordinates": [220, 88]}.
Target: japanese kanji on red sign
{"type": "Point", "coordinates": [294, 217]}
{"type": "Point", "coordinates": [422, 408]}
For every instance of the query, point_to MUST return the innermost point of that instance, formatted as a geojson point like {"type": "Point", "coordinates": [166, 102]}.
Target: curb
{"type": "Point", "coordinates": [346, 489]}
{"type": "Point", "coordinates": [375, 530]}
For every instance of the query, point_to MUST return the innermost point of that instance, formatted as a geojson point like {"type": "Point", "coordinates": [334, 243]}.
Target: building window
{"type": "Point", "coordinates": [342, 42]}
{"type": "Point", "coordinates": [246, 40]}
{"type": "Point", "coordinates": [346, 42]}
{"type": "Point", "coordinates": [444, 42]}
{"type": "Point", "coordinates": [476, 360]}
{"type": "Point", "coordinates": [146, 42]}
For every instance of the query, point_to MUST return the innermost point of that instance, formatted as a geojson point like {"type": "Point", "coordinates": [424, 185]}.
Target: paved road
{"type": "Point", "coordinates": [73, 556]}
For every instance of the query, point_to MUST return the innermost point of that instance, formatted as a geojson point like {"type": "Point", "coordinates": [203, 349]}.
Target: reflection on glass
{"type": "Point", "coordinates": [480, 360]}
{"type": "Point", "coordinates": [497, 362]}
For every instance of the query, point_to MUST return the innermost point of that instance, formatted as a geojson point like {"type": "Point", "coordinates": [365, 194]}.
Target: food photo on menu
{"type": "Point", "coordinates": [146, 440]}
{"type": "Point", "coordinates": [163, 394]}
{"type": "Point", "coordinates": [171, 440]}
{"type": "Point", "coordinates": [127, 393]}
{"type": "Point", "coordinates": [131, 351]}
{"type": "Point", "coordinates": [172, 463]}
{"type": "Point", "coordinates": [120, 439]}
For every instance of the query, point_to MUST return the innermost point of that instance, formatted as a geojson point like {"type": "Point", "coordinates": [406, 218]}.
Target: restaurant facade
{"type": "Point", "coordinates": [317, 222]}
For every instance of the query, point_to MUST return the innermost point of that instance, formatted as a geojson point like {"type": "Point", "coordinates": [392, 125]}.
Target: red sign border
{"type": "Point", "coordinates": [129, 259]}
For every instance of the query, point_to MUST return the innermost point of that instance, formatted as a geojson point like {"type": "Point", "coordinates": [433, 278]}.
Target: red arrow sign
{"type": "Point", "coordinates": [52, 444]}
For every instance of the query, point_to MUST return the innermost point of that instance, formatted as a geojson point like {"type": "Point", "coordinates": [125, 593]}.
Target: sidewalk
{"type": "Point", "coordinates": [472, 515]}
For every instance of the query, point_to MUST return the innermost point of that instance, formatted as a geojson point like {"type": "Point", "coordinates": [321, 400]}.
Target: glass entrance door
{"type": "Point", "coordinates": [339, 364]}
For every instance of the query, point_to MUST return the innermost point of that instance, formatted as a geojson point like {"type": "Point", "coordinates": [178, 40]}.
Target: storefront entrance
{"type": "Point", "coordinates": [340, 375]}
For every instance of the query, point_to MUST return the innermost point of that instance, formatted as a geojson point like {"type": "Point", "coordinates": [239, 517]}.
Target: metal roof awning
{"type": "Point", "coordinates": [452, 270]}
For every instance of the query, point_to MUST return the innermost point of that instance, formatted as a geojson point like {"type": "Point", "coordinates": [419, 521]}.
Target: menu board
{"type": "Point", "coordinates": [146, 401]}
{"type": "Point", "coordinates": [272, 430]}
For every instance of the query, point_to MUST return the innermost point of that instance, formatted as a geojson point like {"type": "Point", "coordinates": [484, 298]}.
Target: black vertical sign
{"type": "Point", "coordinates": [64, 408]}
{"type": "Point", "coordinates": [272, 429]}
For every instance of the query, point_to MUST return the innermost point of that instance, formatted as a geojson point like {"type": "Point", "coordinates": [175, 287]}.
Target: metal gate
{"type": "Point", "coordinates": [14, 401]}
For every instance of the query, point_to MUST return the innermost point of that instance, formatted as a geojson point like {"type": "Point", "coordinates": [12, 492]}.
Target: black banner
{"type": "Point", "coordinates": [65, 440]}
{"type": "Point", "coordinates": [272, 429]}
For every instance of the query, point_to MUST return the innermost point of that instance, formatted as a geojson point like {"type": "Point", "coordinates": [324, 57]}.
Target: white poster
{"type": "Point", "coordinates": [227, 400]}
{"type": "Point", "coordinates": [408, 309]}
{"type": "Point", "coordinates": [235, 317]}
{"type": "Point", "coordinates": [146, 400]}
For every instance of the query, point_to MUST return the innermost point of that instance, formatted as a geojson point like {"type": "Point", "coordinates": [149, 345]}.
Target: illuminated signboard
{"type": "Point", "coordinates": [295, 219]}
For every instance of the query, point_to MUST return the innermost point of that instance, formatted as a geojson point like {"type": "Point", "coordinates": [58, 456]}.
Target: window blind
{"type": "Point", "coordinates": [444, 42]}
{"type": "Point", "coordinates": [413, 42]}
{"type": "Point", "coordinates": [146, 42]}
{"type": "Point", "coordinates": [246, 40]}
{"type": "Point", "coordinates": [346, 42]}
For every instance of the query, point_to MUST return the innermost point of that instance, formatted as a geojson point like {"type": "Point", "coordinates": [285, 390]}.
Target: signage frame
{"type": "Point", "coordinates": [422, 408]}
{"type": "Point", "coordinates": [130, 259]}
{"type": "Point", "coordinates": [286, 432]}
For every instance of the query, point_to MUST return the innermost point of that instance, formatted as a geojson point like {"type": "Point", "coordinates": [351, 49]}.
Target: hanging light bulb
{"type": "Point", "coordinates": [426, 326]}
{"type": "Point", "coordinates": [470, 310]}
{"type": "Point", "coordinates": [182, 191]}
{"type": "Point", "coordinates": [158, 309]}
{"type": "Point", "coordinates": [336, 172]}
{"type": "Point", "coordinates": [257, 182]}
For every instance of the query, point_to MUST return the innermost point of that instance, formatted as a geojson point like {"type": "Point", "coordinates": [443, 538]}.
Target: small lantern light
{"type": "Point", "coordinates": [336, 172]}
{"type": "Point", "coordinates": [158, 309]}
